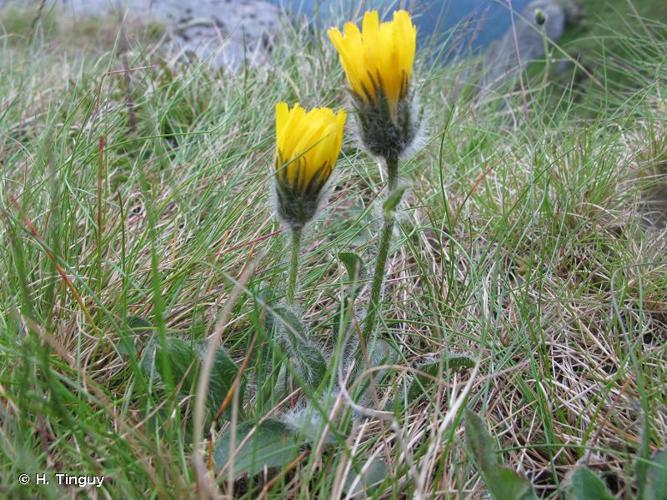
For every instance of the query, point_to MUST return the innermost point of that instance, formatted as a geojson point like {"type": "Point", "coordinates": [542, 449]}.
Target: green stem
{"type": "Point", "coordinates": [294, 266]}
{"type": "Point", "coordinates": [383, 253]}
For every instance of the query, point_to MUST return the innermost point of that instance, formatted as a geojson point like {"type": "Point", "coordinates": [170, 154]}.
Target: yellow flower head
{"type": "Point", "coordinates": [307, 147]}
{"type": "Point", "coordinates": [379, 58]}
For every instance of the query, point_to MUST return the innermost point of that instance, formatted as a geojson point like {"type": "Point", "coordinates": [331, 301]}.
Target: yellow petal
{"type": "Point", "coordinates": [381, 55]}
{"type": "Point", "coordinates": [282, 113]}
{"type": "Point", "coordinates": [307, 143]}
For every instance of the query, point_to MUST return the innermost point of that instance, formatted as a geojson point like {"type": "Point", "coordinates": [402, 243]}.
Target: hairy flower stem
{"type": "Point", "coordinates": [294, 266]}
{"type": "Point", "coordinates": [383, 253]}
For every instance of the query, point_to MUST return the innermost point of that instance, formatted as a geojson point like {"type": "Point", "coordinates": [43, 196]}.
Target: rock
{"type": "Point", "coordinates": [540, 19]}
{"type": "Point", "coordinates": [224, 33]}
{"type": "Point", "coordinates": [228, 33]}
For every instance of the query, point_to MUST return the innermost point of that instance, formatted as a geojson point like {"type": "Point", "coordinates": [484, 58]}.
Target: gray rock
{"type": "Point", "coordinates": [541, 22]}
{"type": "Point", "coordinates": [228, 33]}
{"type": "Point", "coordinates": [224, 33]}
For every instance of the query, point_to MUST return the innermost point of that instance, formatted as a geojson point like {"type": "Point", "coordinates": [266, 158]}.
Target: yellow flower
{"type": "Point", "coordinates": [307, 147]}
{"type": "Point", "coordinates": [379, 58]}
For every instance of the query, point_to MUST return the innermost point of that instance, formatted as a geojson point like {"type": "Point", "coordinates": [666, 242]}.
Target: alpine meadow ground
{"type": "Point", "coordinates": [525, 281]}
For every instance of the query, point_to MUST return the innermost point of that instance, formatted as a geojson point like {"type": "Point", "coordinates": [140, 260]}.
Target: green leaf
{"type": "Point", "coordinates": [354, 265]}
{"type": "Point", "coordinates": [309, 420]}
{"type": "Point", "coordinates": [311, 365]}
{"type": "Point", "coordinates": [180, 355]}
{"type": "Point", "coordinates": [481, 443]}
{"type": "Point", "coordinates": [379, 353]}
{"type": "Point", "coordinates": [288, 321]}
{"type": "Point", "coordinates": [139, 324]}
{"type": "Point", "coordinates": [506, 484]}
{"type": "Point", "coordinates": [223, 375]}
{"type": "Point", "coordinates": [373, 476]}
{"type": "Point", "coordinates": [185, 361]}
{"type": "Point", "coordinates": [656, 478]}
{"type": "Point", "coordinates": [393, 199]}
{"type": "Point", "coordinates": [136, 326]}
{"type": "Point", "coordinates": [502, 482]}
{"type": "Point", "coordinates": [272, 445]}
{"type": "Point", "coordinates": [586, 485]}
{"type": "Point", "coordinates": [431, 370]}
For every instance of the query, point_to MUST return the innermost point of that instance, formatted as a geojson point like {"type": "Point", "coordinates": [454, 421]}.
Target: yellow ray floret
{"type": "Point", "coordinates": [381, 56]}
{"type": "Point", "coordinates": [307, 145]}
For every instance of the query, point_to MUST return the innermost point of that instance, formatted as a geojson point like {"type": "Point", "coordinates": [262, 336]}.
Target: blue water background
{"type": "Point", "coordinates": [474, 23]}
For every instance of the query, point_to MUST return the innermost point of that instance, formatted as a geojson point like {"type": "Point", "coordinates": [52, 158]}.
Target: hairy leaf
{"type": "Point", "coordinates": [502, 482]}
{"type": "Point", "coordinates": [270, 444]}
{"type": "Point", "coordinates": [354, 265]}
{"type": "Point", "coordinates": [185, 361]}
{"type": "Point", "coordinates": [656, 479]}
{"type": "Point", "coordinates": [480, 442]}
{"type": "Point", "coordinates": [393, 199]}
{"type": "Point", "coordinates": [136, 326]}
{"type": "Point", "coordinates": [586, 485]}
{"type": "Point", "coordinates": [360, 484]}
{"type": "Point", "coordinates": [311, 364]}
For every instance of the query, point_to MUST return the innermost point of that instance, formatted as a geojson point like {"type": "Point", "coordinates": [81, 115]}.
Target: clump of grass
{"type": "Point", "coordinates": [524, 246]}
{"type": "Point", "coordinates": [22, 26]}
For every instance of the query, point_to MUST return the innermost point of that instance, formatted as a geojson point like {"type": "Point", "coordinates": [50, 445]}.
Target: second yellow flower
{"type": "Point", "coordinates": [379, 58]}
